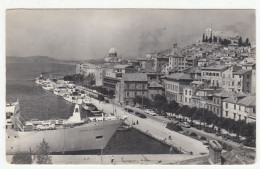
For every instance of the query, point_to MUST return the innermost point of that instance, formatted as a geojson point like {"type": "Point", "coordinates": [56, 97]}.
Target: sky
{"type": "Point", "coordinates": [82, 34]}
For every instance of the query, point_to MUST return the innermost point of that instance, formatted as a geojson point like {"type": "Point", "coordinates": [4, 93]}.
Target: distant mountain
{"type": "Point", "coordinates": [35, 59]}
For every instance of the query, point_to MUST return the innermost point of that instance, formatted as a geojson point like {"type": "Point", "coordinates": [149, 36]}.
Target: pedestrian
{"type": "Point", "coordinates": [170, 137]}
{"type": "Point", "coordinates": [170, 150]}
{"type": "Point", "coordinates": [112, 160]}
{"type": "Point", "coordinates": [137, 122]}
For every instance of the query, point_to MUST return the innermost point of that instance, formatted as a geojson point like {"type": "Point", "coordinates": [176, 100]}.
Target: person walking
{"type": "Point", "coordinates": [112, 160]}
{"type": "Point", "coordinates": [170, 150]}
{"type": "Point", "coordinates": [137, 122]}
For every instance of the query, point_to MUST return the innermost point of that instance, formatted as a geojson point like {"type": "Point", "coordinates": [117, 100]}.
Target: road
{"type": "Point", "coordinates": [155, 127]}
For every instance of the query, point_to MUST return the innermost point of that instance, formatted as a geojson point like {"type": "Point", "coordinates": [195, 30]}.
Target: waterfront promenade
{"type": "Point", "coordinates": [123, 159]}
{"type": "Point", "coordinates": [156, 129]}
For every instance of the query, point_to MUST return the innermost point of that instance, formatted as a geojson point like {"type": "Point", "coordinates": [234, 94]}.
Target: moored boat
{"type": "Point", "coordinates": [62, 135]}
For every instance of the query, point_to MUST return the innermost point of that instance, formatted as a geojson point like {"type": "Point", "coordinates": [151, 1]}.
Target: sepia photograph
{"type": "Point", "coordinates": [130, 86]}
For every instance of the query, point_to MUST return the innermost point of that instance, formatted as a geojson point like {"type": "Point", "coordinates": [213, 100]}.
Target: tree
{"type": "Point", "coordinates": [42, 153]}
{"type": "Point", "coordinates": [240, 42]}
{"type": "Point", "coordinates": [206, 40]}
{"type": "Point", "coordinates": [203, 38]}
{"type": "Point", "coordinates": [22, 158]}
{"type": "Point", "coordinates": [138, 99]}
{"type": "Point", "coordinates": [159, 101]}
{"type": "Point", "coordinates": [210, 39]}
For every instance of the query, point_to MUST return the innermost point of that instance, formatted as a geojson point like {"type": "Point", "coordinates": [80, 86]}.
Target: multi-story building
{"type": "Point", "coordinates": [215, 105]}
{"type": "Point", "coordinates": [187, 95]}
{"type": "Point", "coordinates": [212, 75]}
{"type": "Point", "coordinates": [130, 86]}
{"type": "Point", "coordinates": [114, 74]}
{"type": "Point", "coordinates": [154, 88]}
{"type": "Point", "coordinates": [240, 108]}
{"type": "Point", "coordinates": [159, 62]}
{"type": "Point", "coordinates": [174, 86]}
{"type": "Point", "coordinates": [202, 97]}
{"type": "Point", "coordinates": [237, 80]}
{"type": "Point", "coordinates": [178, 62]}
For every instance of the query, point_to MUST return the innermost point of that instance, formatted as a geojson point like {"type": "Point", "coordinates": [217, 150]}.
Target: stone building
{"type": "Point", "coordinates": [155, 88]}
{"type": "Point", "coordinates": [130, 86]}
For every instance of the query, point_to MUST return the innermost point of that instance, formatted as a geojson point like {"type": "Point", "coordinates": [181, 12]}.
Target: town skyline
{"type": "Point", "coordinates": [132, 32]}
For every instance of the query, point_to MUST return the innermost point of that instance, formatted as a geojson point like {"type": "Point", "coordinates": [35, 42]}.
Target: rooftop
{"type": "Point", "coordinates": [134, 77]}
{"type": "Point", "coordinates": [241, 71]}
{"type": "Point", "coordinates": [215, 67]}
{"type": "Point", "coordinates": [155, 84]}
{"type": "Point", "coordinates": [178, 76]}
{"type": "Point", "coordinates": [122, 66]}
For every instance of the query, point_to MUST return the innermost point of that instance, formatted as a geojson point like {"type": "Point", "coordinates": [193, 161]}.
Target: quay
{"type": "Point", "coordinates": [156, 129]}
{"type": "Point", "coordinates": [123, 159]}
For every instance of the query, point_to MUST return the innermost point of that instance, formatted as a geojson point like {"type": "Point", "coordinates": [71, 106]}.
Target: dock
{"type": "Point", "coordinates": [156, 129]}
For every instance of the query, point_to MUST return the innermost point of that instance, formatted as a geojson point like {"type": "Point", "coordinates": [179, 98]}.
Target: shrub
{"type": "Point", "coordinates": [22, 158]}
{"type": "Point", "coordinates": [193, 134]}
{"type": "Point", "coordinates": [174, 127]}
{"type": "Point", "coordinates": [203, 138]}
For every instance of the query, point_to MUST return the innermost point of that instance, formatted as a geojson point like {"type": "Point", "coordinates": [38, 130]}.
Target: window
{"type": "Point", "coordinates": [239, 117]}
{"type": "Point", "coordinates": [185, 92]}
{"type": "Point", "coordinates": [99, 137]}
{"type": "Point", "coordinates": [127, 93]}
{"type": "Point", "coordinates": [226, 105]}
{"type": "Point", "coordinates": [234, 107]}
{"type": "Point", "coordinates": [247, 76]}
{"type": "Point", "coordinates": [239, 76]}
{"type": "Point", "coordinates": [233, 83]}
{"type": "Point", "coordinates": [217, 111]}
{"type": "Point", "coordinates": [247, 84]}
{"type": "Point", "coordinates": [189, 100]}
{"type": "Point", "coordinates": [190, 92]}
{"type": "Point", "coordinates": [233, 76]}
{"type": "Point", "coordinates": [235, 116]}
{"type": "Point", "coordinates": [226, 113]}
{"type": "Point", "coordinates": [217, 74]}
{"type": "Point", "coordinates": [185, 100]}
{"type": "Point", "coordinates": [128, 87]}
{"type": "Point", "coordinates": [239, 108]}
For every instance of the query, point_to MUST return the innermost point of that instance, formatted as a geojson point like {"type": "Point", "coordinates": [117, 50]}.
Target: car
{"type": "Point", "coordinates": [205, 142]}
{"type": "Point", "coordinates": [151, 112]}
{"type": "Point", "coordinates": [140, 115]}
{"type": "Point", "coordinates": [185, 124]}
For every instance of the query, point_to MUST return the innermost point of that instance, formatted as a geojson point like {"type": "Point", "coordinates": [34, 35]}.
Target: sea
{"type": "Point", "coordinates": [36, 103]}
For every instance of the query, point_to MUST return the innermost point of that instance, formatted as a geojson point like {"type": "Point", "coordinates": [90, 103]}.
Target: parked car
{"type": "Point", "coordinates": [185, 124]}
{"type": "Point", "coordinates": [140, 115]}
{"type": "Point", "coordinates": [151, 112]}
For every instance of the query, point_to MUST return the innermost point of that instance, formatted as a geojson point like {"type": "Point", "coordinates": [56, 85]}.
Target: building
{"type": "Point", "coordinates": [187, 95]}
{"type": "Point", "coordinates": [130, 86]}
{"type": "Point", "coordinates": [112, 56]}
{"type": "Point", "coordinates": [212, 75]}
{"type": "Point", "coordinates": [155, 88]}
{"type": "Point", "coordinates": [202, 97]}
{"type": "Point", "coordinates": [240, 108]}
{"type": "Point", "coordinates": [159, 62]}
{"type": "Point", "coordinates": [174, 85]}
{"type": "Point", "coordinates": [215, 105]}
{"type": "Point", "coordinates": [86, 68]}
{"type": "Point", "coordinates": [113, 75]}
{"type": "Point", "coordinates": [178, 62]}
{"type": "Point", "coordinates": [236, 79]}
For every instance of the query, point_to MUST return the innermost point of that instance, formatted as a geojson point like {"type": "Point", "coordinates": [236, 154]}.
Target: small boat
{"type": "Point", "coordinates": [124, 128]}
{"type": "Point", "coordinates": [60, 91]}
{"type": "Point", "coordinates": [72, 98]}
{"type": "Point", "coordinates": [48, 87]}
{"type": "Point", "coordinates": [96, 112]}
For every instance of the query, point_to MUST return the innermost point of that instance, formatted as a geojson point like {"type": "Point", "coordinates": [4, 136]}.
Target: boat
{"type": "Point", "coordinates": [73, 98]}
{"type": "Point", "coordinates": [60, 91]}
{"type": "Point", "coordinates": [62, 135]}
{"type": "Point", "coordinates": [87, 105]}
{"type": "Point", "coordinates": [124, 128]}
{"type": "Point", "coordinates": [48, 86]}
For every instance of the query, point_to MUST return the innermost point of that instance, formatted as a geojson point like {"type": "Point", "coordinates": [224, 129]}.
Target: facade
{"type": "Point", "coordinates": [177, 62]}
{"type": "Point", "coordinates": [237, 80]}
{"type": "Point", "coordinates": [174, 86]}
{"type": "Point", "coordinates": [154, 88]}
{"type": "Point", "coordinates": [187, 95]}
{"type": "Point", "coordinates": [215, 105]}
{"type": "Point", "coordinates": [130, 86]}
{"type": "Point", "coordinates": [240, 108]}
{"type": "Point", "coordinates": [213, 75]}
{"type": "Point", "coordinates": [158, 63]}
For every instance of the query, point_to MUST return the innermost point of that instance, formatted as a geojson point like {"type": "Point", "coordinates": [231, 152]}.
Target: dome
{"type": "Point", "coordinates": [112, 51]}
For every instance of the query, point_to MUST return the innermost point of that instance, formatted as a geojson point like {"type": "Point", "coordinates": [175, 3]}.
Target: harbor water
{"type": "Point", "coordinates": [35, 103]}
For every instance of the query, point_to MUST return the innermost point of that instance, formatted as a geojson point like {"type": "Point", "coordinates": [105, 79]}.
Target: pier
{"type": "Point", "coordinates": [156, 129]}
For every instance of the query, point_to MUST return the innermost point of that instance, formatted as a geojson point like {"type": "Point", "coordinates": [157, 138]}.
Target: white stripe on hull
{"type": "Point", "coordinates": [62, 140]}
